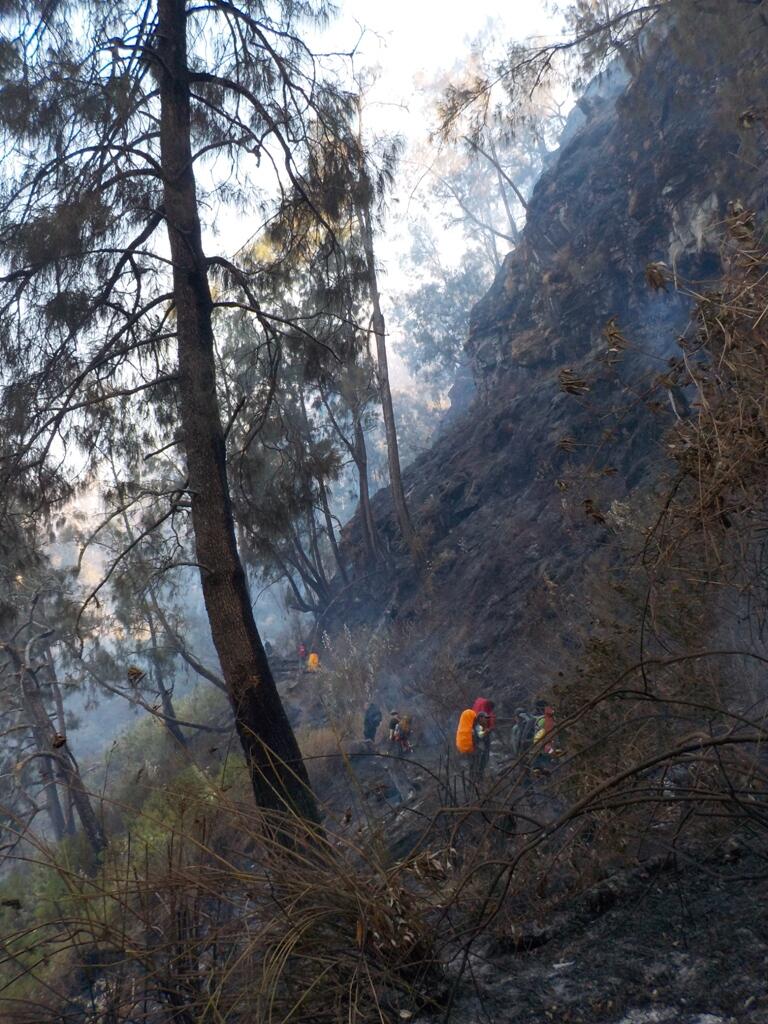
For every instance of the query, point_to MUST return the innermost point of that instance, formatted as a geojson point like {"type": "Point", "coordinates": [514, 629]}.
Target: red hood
{"type": "Point", "coordinates": [483, 704]}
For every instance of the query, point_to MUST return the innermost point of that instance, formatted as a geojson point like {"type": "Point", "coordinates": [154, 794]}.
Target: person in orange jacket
{"type": "Point", "coordinates": [472, 737]}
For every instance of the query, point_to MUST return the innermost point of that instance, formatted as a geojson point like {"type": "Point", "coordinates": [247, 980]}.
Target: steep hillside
{"type": "Point", "coordinates": [524, 494]}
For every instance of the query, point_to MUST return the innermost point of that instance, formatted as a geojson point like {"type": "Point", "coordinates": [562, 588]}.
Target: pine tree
{"type": "Point", "coordinates": [113, 118]}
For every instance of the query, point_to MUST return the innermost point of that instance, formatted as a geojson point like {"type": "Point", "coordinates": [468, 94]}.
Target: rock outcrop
{"type": "Point", "coordinates": [527, 489]}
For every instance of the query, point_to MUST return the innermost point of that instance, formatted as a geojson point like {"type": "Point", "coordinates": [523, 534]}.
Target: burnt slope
{"type": "Point", "coordinates": [510, 520]}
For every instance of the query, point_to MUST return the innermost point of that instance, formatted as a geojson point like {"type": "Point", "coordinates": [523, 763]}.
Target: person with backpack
{"type": "Point", "coordinates": [481, 736]}
{"type": "Point", "coordinates": [523, 731]}
{"type": "Point", "coordinates": [403, 736]}
{"type": "Point", "coordinates": [545, 724]}
{"type": "Point", "coordinates": [371, 721]}
{"type": "Point", "coordinates": [394, 721]}
{"type": "Point", "coordinates": [472, 735]}
{"type": "Point", "coordinates": [465, 746]}
{"type": "Point", "coordinates": [488, 706]}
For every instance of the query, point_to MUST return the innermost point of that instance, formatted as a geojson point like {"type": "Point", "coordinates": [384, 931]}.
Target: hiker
{"type": "Point", "coordinates": [488, 708]}
{"type": "Point", "coordinates": [313, 662]}
{"type": "Point", "coordinates": [268, 648]}
{"type": "Point", "coordinates": [371, 721]}
{"type": "Point", "coordinates": [483, 704]}
{"type": "Point", "coordinates": [545, 724]}
{"type": "Point", "coordinates": [544, 746]}
{"type": "Point", "coordinates": [481, 736]}
{"type": "Point", "coordinates": [394, 721]}
{"type": "Point", "coordinates": [471, 732]}
{"type": "Point", "coordinates": [403, 736]}
{"type": "Point", "coordinates": [301, 650]}
{"type": "Point", "coordinates": [523, 731]}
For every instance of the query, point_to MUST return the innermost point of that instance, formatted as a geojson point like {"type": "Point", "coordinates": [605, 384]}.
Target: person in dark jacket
{"type": "Point", "coordinates": [523, 731]}
{"type": "Point", "coordinates": [371, 721]}
{"type": "Point", "coordinates": [481, 736]}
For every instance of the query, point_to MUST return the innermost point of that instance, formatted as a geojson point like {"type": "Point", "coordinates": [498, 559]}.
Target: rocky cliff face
{"type": "Point", "coordinates": [525, 491]}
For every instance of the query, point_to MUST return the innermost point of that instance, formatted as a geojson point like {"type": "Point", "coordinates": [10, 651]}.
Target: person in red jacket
{"type": "Point", "coordinates": [483, 704]}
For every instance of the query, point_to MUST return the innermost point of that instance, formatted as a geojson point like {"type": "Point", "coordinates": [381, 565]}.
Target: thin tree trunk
{"type": "Point", "coordinates": [40, 725]}
{"type": "Point", "coordinates": [359, 455]}
{"type": "Point", "coordinates": [181, 649]}
{"type": "Point", "coordinates": [331, 532]}
{"type": "Point", "coordinates": [507, 208]}
{"type": "Point", "coordinates": [301, 604]}
{"type": "Point", "coordinates": [60, 758]}
{"type": "Point", "coordinates": [169, 711]}
{"type": "Point", "coordinates": [370, 533]}
{"type": "Point", "coordinates": [304, 568]}
{"type": "Point", "coordinates": [323, 496]}
{"type": "Point", "coordinates": [278, 774]}
{"type": "Point", "coordinates": [52, 799]}
{"type": "Point", "coordinates": [390, 429]}
{"type": "Point", "coordinates": [170, 721]}
{"type": "Point", "coordinates": [61, 728]}
{"type": "Point", "coordinates": [68, 768]}
{"type": "Point", "coordinates": [81, 798]}
{"type": "Point", "coordinates": [314, 546]}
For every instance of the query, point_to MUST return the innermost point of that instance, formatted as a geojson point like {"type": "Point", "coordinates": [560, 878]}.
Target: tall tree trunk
{"type": "Point", "coordinates": [51, 790]}
{"type": "Point", "coordinates": [81, 798]}
{"type": "Point", "coordinates": [390, 429]}
{"type": "Point", "coordinates": [170, 721]}
{"type": "Point", "coordinates": [61, 727]}
{"type": "Point", "coordinates": [68, 768]}
{"type": "Point", "coordinates": [323, 496]}
{"type": "Point", "coordinates": [357, 450]}
{"type": "Point", "coordinates": [331, 532]}
{"type": "Point", "coordinates": [301, 604]}
{"type": "Point", "coordinates": [504, 198]}
{"type": "Point", "coordinates": [278, 774]}
{"type": "Point", "coordinates": [305, 569]}
{"type": "Point", "coordinates": [370, 533]}
{"type": "Point", "coordinates": [181, 648]}
{"type": "Point", "coordinates": [314, 547]}
{"type": "Point", "coordinates": [40, 726]}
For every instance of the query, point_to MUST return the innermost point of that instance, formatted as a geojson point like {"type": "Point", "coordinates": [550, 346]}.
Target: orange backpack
{"type": "Point", "coordinates": [465, 743]}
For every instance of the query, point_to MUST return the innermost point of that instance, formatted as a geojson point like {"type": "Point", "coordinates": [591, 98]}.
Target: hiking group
{"type": "Point", "coordinates": [475, 729]}
{"type": "Point", "coordinates": [399, 729]}
{"type": "Point", "coordinates": [310, 660]}
{"type": "Point", "coordinates": [477, 725]}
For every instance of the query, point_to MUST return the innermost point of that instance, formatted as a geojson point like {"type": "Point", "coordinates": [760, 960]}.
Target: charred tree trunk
{"type": "Point", "coordinates": [61, 728]}
{"type": "Point", "coordinates": [332, 533]}
{"type": "Point", "coordinates": [323, 500]}
{"type": "Point", "coordinates": [369, 523]}
{"type": "Point", "coordinates": [357, 450]}
{"type": "Point", "coordinates": [68, 768]}
{"type": "Point", "coordinates": [302, 604]}
{"type": "Point", "coordinates": [42, 733]}
{"type": "Point", "coordinates": [390, 429]}
{"type": "Point", "coordinates": [278, 774]}
{"type": "Point", "coordinates": [169, 721]}
{"type": "Point", "coordinates": [181, 649]}
{"type": "Point", "coordinates": [81, 798]}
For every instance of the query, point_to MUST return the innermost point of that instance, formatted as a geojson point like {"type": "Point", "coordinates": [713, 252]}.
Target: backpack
{"type": "Point", "coordinates": [528, 730]}
{"type": "Point", "coordinates": [465, 743]}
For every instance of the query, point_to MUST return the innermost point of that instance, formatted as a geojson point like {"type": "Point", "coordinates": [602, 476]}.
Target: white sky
{"type": "Point", "coordinates": [411, 42]}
